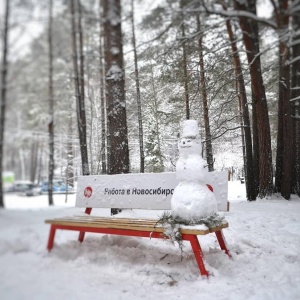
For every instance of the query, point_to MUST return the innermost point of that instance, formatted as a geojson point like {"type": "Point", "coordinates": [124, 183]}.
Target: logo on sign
{"type": "Point", "coordinates": [88, 192]}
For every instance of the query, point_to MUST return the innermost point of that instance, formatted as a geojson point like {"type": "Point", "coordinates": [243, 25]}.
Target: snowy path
{"type": "Point", "coordinates": [264, 239]}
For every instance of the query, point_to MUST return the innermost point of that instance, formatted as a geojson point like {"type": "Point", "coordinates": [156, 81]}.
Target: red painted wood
{"type": "Point", "coordinates": [222, 242]}
{"type": "Point", "coordinates": [51, 238]}
{"type": "Point", "coordinates": [138, 233]}
{"type": "Point", "coordinates": [197, 252]}
{"type": "Point", "coordinates": [88, 211]}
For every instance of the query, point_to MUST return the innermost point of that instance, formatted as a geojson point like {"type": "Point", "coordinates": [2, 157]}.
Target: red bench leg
{"type": "Point", "coordinates": [81, 236]}
{"type": "Point", "coordinates": [51, 238]}
{"type": "Point", "coordinates": [198, 254]}
{"type": "Point", "coordinates": [88, 211]}
{"type": "Point", "coordinates": [222, 242]}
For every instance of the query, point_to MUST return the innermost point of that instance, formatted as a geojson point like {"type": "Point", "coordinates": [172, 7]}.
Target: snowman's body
{"type": "Point", "coordinates": [192, 200]}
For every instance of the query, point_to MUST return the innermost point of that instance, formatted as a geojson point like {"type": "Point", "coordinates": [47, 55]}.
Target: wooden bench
{"type": "Point", "coordinates": [97, 191]}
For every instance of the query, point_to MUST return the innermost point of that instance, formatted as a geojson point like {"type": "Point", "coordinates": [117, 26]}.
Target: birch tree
{"type": "Point", "coordinates": [51, 110]}
{"type": "Point", "coordinates": [102, 95]}
{"type": "Point", "coordinates": [4, 69]}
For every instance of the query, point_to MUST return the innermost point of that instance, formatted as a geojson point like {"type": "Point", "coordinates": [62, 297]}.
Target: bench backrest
{"type": "Point", "coordinates": [140, 190]}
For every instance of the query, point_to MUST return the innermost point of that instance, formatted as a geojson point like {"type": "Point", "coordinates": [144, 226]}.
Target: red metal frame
{"type": "Point", "coordinates": [139, 233]}
{"type": "Point", "coordinates": [197, 252]}
{"type": "Point", "coordinates": [88, 211]}
{"type": "Point", "coordinates": [222, 242]}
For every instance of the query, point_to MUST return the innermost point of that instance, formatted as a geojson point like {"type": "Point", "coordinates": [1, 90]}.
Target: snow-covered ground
{"type": "Point", "coordinates": [263, 237]}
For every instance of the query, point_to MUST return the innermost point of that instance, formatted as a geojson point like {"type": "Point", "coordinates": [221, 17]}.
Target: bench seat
{"type": "Point", "coordinates": [142, 191]}
{"type": "Point", "coordinates": [148, 228]}
{"type": "Point", "coordinates": [149, 225]}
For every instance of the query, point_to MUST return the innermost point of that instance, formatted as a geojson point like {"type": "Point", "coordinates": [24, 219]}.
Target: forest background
{"type": "Point", "coordinates": [219, 62]}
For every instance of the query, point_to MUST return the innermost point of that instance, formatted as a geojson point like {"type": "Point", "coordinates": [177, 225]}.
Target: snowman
{"type": "Point", "coordinates": [192, 200]}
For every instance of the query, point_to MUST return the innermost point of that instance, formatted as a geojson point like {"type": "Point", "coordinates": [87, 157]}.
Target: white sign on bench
{"type": "Point", "coordinates": [141, 190]}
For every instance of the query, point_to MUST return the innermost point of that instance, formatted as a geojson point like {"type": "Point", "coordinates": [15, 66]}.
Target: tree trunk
{"type": "Point", "coordinates": [81, 56]}
{"type": "Point", "coordinates": [208, 138]}
{"type": "Point", "coordinates": [34, 158]}
{"type": "Point", "coordinates": [4, 68]}
{"type": "Point", "coordinates": [115, 92]}
{"type": "Point", "coordinates": [80, 106]}
{"type": "Point", "coordinates": [250, 38]}
{"type": "Point", "coordinates": [91, 140]}
{"type": "Point", "coordinates": [84, 148]}
{"type": "Point", "coordinates": [102, 99]}
{"type": "Point", "coordinates": [156, 120]}
{"type": "Point", "coordinates": [242, 135]}
{"type": "Point", "coordinates": [138, 95]}
{"type": "Point", "coordinates": [70, 155]}
{"type": "Point", "coordinates": [284, 96]}
{"type": "Point", "coordinates": [246, 127]}
{"type": "Point", "coordinates": [40, 163]}
{"type": "Point", "coordinates": [51, 110]}
{"type": "Point", "coordinates": [184, 66]}
{"type": "Point", "coordinates": [284, 155]}
{"type": "Point", "coordinates": [118, 149]}
{"type": "Point", "coordinates": [295, 98]}
{"type": "Point", "coordinates": [255, 143]}
{"type": "Point", "coordinates": [115, 81]}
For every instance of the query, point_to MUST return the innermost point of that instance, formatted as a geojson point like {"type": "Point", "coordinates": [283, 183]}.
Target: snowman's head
{"type": "Point", "coordinates": [190, 145]}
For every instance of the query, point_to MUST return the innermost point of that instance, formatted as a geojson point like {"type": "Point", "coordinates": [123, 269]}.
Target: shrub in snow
{"type": "Point", "coordinates": [172, 226]}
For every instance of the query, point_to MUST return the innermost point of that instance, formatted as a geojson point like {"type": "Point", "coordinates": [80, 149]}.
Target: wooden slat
{"type": "Point", "coordinates": [111, 222]}
{"type": "Point", "coordinates": [107, 225]}
{"type": "Point", "coordinates": [126, 223]}
{"type": "Point", "coordinates": [105, 221]}
{"type": "Point", "coordinates": [118, 220]}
